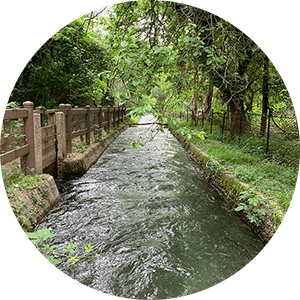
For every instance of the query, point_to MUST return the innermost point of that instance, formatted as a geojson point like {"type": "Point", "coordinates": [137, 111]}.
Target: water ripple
{"type": "Point", "coordinates": [160, 231]}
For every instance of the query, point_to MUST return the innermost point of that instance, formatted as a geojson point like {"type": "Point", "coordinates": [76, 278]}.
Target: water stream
{"type": "Point", "coordinates": [160, 230]}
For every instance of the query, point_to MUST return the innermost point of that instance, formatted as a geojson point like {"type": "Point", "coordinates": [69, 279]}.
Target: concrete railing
{"type": "Point", "coordinates": [40, 138]}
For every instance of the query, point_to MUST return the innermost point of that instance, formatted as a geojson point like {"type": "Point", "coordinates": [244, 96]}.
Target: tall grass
{"type": "Point", "coordinates": [272, 175]}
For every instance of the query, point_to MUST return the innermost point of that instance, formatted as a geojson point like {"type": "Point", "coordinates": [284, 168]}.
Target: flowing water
{"type": "Point", "coordinates": [160, 230]}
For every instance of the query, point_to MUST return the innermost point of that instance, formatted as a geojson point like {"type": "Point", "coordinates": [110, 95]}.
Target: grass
{"type": "Point", "coordinates": [15, 182]}
{"type": "Point", "coordinates": [269, 175]}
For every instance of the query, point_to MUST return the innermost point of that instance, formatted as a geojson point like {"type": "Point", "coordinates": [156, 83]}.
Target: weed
{"type": "Point", "coordinates": [266, 174]}
{"type": "Point", "coordinates": [80, 147]}
{"type": "Point", "coordinates": [15, 183]}
{"type": "Point", "coordinates": [253, 206]}
{"type": "Point", "coordinates": [44, 234]}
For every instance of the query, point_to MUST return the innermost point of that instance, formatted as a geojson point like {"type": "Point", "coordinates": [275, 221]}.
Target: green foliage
{"type": "Point", "coordinates": [65, 69]}
{"type": "Point", "coordinates": [136, 145]}
{"type": "Point", "coordinates": [17, 177]}
{"type": "Point", "coordinates": [168, 67]}
{"type": "Point", "coordinates": [15, 131]}
{"type": "Point", "coordinates": [40, 235]}
{"type": "Point", "coordinates": [253, 206]}
{"type": "Point", "coordinates": [192, 134]}
{"type": "Point", "coordinates": [79, 147]}
{"type": "Point", "coordinates": [15, 182]}
{"type": "Point", "coordinates": [276, 181]}
{"type": "Point", "coordinates": [153, 57]}
{"type": "Point", "coordinates": [13, 105]}
{"type": "Point", "coordinates": [43, 234]}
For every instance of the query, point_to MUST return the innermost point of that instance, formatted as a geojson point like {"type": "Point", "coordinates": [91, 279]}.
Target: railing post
{"type": "Point", "coordinates": [100, 121]}
{"type": "Point", "coordinates": [66, 109]}
{"type": "Point", "coordinates": [122, 113]}
{"type": "Point", "coordinates": [119, 114]}
{"type": "Point", "coordinates": [100, 117]}
{"type": "Point", "coordinates": [108, 119]}
{"type": "Point", "coordinates": [28, 161]}
{"type": "Point", "coordinates": [88, 124]}
{"type": "Point", "coordinates": [61, 140]}
{"type": "Point", "coordinates": [38, 146]}
{"type": "Point", "coordinates": [114, 116]}
{"type": "Point", "coordinates": [51, 118]}
{"type": "Point", "coordinates": [42, 111]}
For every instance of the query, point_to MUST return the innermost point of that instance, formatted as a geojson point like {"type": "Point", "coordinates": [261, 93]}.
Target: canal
{"type": "Point", "coordinates": [159, 229]}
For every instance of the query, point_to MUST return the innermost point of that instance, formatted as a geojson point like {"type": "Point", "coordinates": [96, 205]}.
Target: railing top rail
{"type": "Point", "coordinates": [11, 114]}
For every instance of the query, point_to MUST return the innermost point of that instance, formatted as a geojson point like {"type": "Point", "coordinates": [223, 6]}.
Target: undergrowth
{"type": "Point", "coordinates": [267, 175]}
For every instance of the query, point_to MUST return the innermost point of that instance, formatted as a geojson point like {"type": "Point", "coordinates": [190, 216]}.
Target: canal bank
{"type": "Point", "coordinates": [32, 201]}
{"type": "Point", "coordinates": [77, 164]}
{"type": "Point", "coordinates": [230, 188]}
{"type": "Point", "coordinates": [156, 227]}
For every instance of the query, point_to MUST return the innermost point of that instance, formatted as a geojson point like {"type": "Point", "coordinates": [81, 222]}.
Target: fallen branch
{"type": "Point", "coordinates": [135, 124]}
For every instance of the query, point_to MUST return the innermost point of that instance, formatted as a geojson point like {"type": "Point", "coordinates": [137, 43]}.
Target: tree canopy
{"type": "Point", "coordinates": [67, 68]}
{"type": "Point", "coordinates": [153, 56]}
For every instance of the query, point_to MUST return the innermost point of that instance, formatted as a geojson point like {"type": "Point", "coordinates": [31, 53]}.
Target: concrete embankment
{"type": "Point", "coordinates": [230, 188]}
{"type": "Point", "coordinates": [76, 164]}
{"type": "Point", "coordinates": [32, 203]}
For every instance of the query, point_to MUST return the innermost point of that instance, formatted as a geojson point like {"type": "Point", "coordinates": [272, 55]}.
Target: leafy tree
{"type": "Point", "coordinates": [154, 56]}
{"type": "Point", "coordinates": [188, 52]}
{"type": "Point", "coordinates": [66, 68]}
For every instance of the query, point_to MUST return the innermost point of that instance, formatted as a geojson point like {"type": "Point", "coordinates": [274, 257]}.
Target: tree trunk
{"type": "Point", "coordinates": [265, 99]}
{"type": "Point", "coordinates": [195, 105]}
{"type": "Point", "coordinates": [115, 102]}
{"type": "Point", "coordinates": [238, 118]}
{"type": "Point", "coordinates": [208, 101]}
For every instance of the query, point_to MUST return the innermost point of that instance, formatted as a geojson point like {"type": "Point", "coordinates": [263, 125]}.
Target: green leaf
{"type": "Point", "coordinates": [240, 207]}
{"type": "Point", "coordinates": [69, 248]}
{"type": "Point", "coordinates": [42, 234]}
{"type": "Point", "coordinates": [73, 259]}
{"type": "Point", "coordinates": [135, 145]}
{"type": "Point", "coordinates": [4, 171]}
{"type": "Point", "coordinates": [124, 44]}
{"type": "Point", "coordinates": [16, 193]}
{"type": "Point", "coordinates": [201, 135]}
{"type": "Point", "coordinates": [89, 248]}
{"type": "Point", "coordinates": [173, 79]}
{"type": "Point", "coordinates": [209, 61]}
{"type": "Point", "coordinates": [166, 68]}
{"type": "Point", "coordinates": [53, 260]}
{"type": "Point", "coordinates": [186, 39]}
